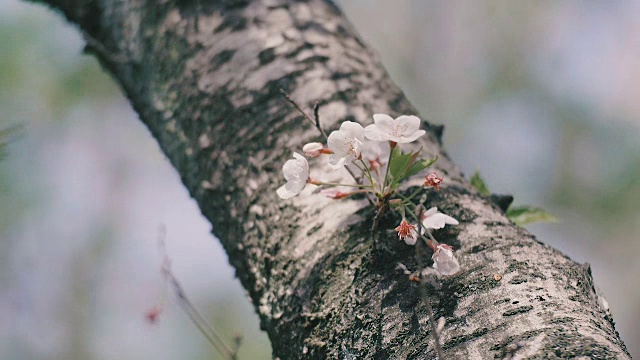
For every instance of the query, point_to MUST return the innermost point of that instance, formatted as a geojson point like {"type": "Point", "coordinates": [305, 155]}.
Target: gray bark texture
{"type": "Point", "coordinates": [204, 76]}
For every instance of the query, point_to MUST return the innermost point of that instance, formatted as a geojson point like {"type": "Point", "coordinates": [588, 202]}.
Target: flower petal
{"type": "Point", "coordinates": [409, 124]}
{"type": "Point", "coordinates": [337, 142]}
{"type": "Point", "coordinates": [383, 121]}
{"type": "Point", "coordinates": [285, 193]}
{"type": "Point", "coordinates": [372, 132]}
{"type": "Point", "coordinates": [449, 220]}
{"type": "Point", "coordinates": [411, 239]}
{"type": "Point", "coordinates": [436, 221]}
{"type": "Point", "coordinates": [296, 172]}
{"type": "Point", "coordinates": [304, 164]}
{"type": "Point", "coordinates": [444, 261]}
{"type": "Point", "coordinates": [290, 169]}
{"type": "Point", "coordinates": [449, 268]}
{"type": "Point", "coordinates": [336, 162]}
{"type": "Point", "coordinates": [413, 137]}
{"type": "Point", "coordinates": [299, 157]}
{"type": "Point", "coordinates": [429, 212]}
{"type": "Point", "coordinates": [352, 130]}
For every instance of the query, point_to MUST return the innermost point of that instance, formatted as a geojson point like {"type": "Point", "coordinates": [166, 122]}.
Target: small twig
{"type": "Point", "coordinates": [209, 333]}
{"type": "Point", "coordinates": [423, 291]}
{"type": "Point", "coordinates": [315, 123]}
{"type": "Point", "coordinates": [215, 339]}
{"type": "Point", "coordinates": [102, 50]}
{"type": "Point", "coordinates": [376, 221]}
{"type": "Point", "coordinates": [316, 108]}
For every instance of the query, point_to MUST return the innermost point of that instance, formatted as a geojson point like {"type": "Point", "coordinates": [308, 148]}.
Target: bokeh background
{"type": "Point", "coordinates": [542, 97]}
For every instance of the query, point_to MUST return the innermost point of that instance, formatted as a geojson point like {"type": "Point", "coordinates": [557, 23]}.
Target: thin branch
{"type": "Point", "coordinates": [315, 122]}
{"type": "Point", "coordinates": [376, 221]}
{"type": "Point", "coordinates": [212, 336]}
{"type": "Point", "coordinates": [316, 108]}
{"type": "Point", "coordinates": [102, 50]}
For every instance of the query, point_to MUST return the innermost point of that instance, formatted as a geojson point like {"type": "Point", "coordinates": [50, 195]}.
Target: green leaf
{"type": "Point", "coordinates": [523, 215]}
{"type": "Point", "coordinates": [419, 166]}
{"type": "Point", "coordinates": [414, 155]}
{"type": "Point", "coordinates": [478, 183]}
{"type": "Point", "coordinates": [399, 164]}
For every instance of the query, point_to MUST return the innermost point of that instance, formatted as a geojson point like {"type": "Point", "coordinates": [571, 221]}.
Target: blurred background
{"type": "Point", "coordinates": [542, 97]}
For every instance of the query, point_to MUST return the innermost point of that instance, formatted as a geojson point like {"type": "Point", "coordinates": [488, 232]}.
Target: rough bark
{"type": "Point", "coordinates": [204, 77]}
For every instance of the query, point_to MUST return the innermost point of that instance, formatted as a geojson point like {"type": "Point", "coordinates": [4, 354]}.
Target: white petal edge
{"type": "Point", "coordinates": [288, 168]}
{"type": "Point", "coordinates": [430, 212]}
{"type": "Point", "coordinates": [285, 193]}
{"type": "Point", "coordinates": [372, 132]}
{"type": "Point", "coordinates": [335, 165]}
{"type": "Point", "coordinates": [413, 137]}
{"type": "Point", "coordinates": [411, 122]}
{"type": "Point", "coordinates": [450, 269]}
{"type": "Point", "coordinates": [352, 130]}
{"type": "Point", "coordinates": [305, 174]}
{"type": "Point", "coordinates": [438, 221]}
{"type": "Point", "coordinates": [411, 240]}
{"type": "Point", "coordinates": [382, 120]}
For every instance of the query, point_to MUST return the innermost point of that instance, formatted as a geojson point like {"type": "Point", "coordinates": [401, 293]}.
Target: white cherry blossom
{"type": "Point", "coordinates": [296, 172]}
{"type": "Point", "coordinates": [404, 129]}
{"type": "Point", "coordinates": [444, 261]}
{"type": "Point", "coordinates": [345, 143]}
{"type": "Point", "coordinates": [432, 219]}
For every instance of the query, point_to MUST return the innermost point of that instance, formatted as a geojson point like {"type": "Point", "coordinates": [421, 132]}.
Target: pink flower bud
{"type": "Point", "coordinates": [375, 164]}
{"type": "Point", "coordinates": [334, 194]}
{"type": "Point", "coordinates": [313, 149]}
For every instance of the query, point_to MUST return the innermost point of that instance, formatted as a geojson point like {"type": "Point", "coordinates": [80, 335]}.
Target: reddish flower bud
{"type": "Point", "coordinates": [433, 181]}
{"type": "Point", "coordinates": [375, 163]}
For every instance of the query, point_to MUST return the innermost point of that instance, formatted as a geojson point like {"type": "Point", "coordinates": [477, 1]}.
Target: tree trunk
{"type": "Point", "coordinates": [204, 76]}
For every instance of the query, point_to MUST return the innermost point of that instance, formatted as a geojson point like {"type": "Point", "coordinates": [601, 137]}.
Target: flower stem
{"type": "Point", "coordinates": [379, 176]}
{"type": "Point", "coordinates": [412, 214]}
{"type": "Point", "coordinates": [170, 280]}
{"type": "Point", "coordinates": [423, 293]}
{"type": "Point", "coordinates": [316, 123]}
{"type": "Point", "coordinates": [352, 185]}
{"type": "Point", "coordinates": [386, 174]}
{"type": "Point", "coordinates": [367, 171]}
{"type": "Point", "coordinates": [408, 199]}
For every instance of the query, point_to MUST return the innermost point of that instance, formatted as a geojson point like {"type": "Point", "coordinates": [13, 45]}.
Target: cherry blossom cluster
{"type": "Point", "coordinates": [378, 165]}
